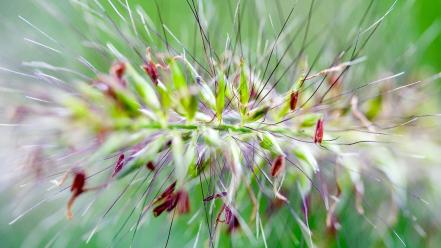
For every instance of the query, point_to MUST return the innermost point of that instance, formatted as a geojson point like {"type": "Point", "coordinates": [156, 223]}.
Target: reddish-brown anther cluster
{"type": "Point", "coordinates": [278, 165]}
{"type": "Point", "coordinates": [119, 165]}
{"type": "Point", "coordinates": [77, 189]}
{"type": "Point", "coordinates": [169, 200]}
{"type": "Point", "coordinates": [318, 136]}
{"type": "Point", "coordinates": [294, 98]}
{"type": "Point", "coordinates": [151, 70]}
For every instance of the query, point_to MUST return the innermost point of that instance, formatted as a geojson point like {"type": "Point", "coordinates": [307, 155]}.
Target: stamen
{"type": "Point", "coordinates": [318, 137]}
{"type": "Point", "coordinates": [278, 166]}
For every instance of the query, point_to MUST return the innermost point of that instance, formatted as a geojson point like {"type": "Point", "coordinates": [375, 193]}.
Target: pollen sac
{"type": "Point", "coordinates": [318, 136]}
{"type": "Point", "coordinates": [231, 220]}
{"type": "Point", "coordinates": [161, 208]}
{"type": "Point", "coordinates": [78, 183]}
{"type": "Point", "coordinates": [293, 99]}
{"type": "Point", "coordinates": [170, 200]}
{"type": "Point", "coordinates": [152, 71]}
{"type": "Point", "coordinates": [278, 166]}
{"type": "Point", "coordinates": [167, 192]}
{"type": "Point", "coordinates": [167, 200]}
{"type": "Point", "coordinates": [168, 204]}
{"type": "Point", "coordinates": [77, 189]}
{"type": "Point", "coordinates": [150, 166]}
{"type": "Point", "coordinates": [119, 165]}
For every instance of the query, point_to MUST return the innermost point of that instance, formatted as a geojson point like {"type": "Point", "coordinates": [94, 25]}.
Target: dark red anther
{"type": "Point", "coordinates": [150, 166]}
{"type": "Point", "coordinates": [78, 182]}
{"type": "Point", "coordinates": [231, 220]}
{"type": "Point", "coordinates": [162, 207]}
{"type": "Point", "coordinates": [119, 165]}
{"type": "Point", "coordinates": [152, 71]}
{"type": "Point", "coordinates": [215, 196]}
{"type": "Point", "coordinates": [318, 136]}
{"type": "Point", "coordinates": [294, 98]}
{"type": "Point", "coordinates": [183, 202]}
{"type": "Point", "coordinates": [77, 189]}
{"type": "Point", "coordinates": [234, 224]}
{"type": "Point", "coordinates": [167, 192]}
{"type": "Point", "coordinates": [278, 165]}
{"type": "Point", "coordinates": [170, 201]}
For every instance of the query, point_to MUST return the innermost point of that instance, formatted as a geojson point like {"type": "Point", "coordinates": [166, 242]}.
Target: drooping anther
{"type": "Point", "coordinates": [77, 189]}
{"type": "Point", "coordinates": [278, 165]}
{"type": "Point", "coordinates": [318, 136]}
{"type": "Point", "coordinates": [293, 99]}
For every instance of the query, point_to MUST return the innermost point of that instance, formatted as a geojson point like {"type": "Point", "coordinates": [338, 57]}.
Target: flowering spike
{"type": "Point", "coordinates": [318, 136]}
{"type": "Point", "coordinates": [278, 165]}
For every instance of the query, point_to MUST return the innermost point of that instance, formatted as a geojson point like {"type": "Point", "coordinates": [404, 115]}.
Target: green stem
{"type": "Point", "coordinates": [220, 127]}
